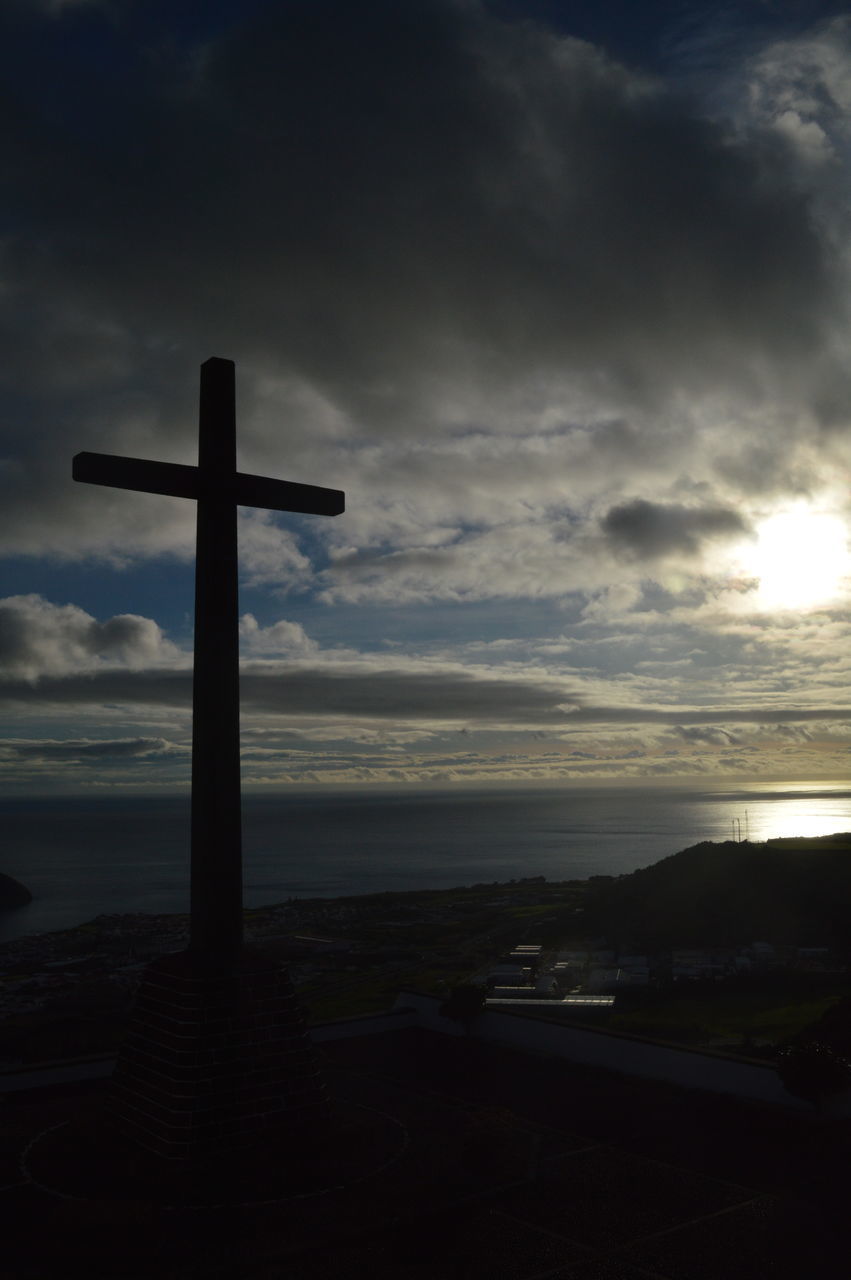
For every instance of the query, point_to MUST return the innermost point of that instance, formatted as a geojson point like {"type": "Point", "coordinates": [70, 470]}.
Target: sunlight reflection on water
{"type": "Point", "coordinates": [815, 814]}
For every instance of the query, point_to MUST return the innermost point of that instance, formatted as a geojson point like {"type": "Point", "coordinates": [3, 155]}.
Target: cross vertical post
{"type": "Point", "coordinates": [216, 840]}
{"type": "Point", "coordinates": [218, 488]}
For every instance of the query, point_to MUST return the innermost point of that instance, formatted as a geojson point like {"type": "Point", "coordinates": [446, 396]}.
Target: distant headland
{"type": "Point", "coordinates": [13, 893]}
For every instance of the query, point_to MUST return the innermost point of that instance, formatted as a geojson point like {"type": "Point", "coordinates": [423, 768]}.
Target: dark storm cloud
{"type": "Point", "coordinates": [715, 737]}
{"type": "Point", "coordinates": [423, 175]}
{"type": "Point", "coordinates": [87, 750]}
{"type": "Point", "coordinates": [795, 733]}
{"type": "Point", "coordinates": [419, 696]}
{"type": "Point", "coordinates": [306, 692]}
{"type": "Point", "coordinates": [375, 194]}
{"type": "Point", "coordinates": [687, 716]}
{"type": "Point", "coordinates": [409, 218]}
{"type": "Point", "coordinates": [404, 694]}
{"type": "Point", "coordinates": [649, 530]}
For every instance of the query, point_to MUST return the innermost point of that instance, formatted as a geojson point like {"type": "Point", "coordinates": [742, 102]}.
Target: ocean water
{"type": "Point", "coordinates": [82, 857]}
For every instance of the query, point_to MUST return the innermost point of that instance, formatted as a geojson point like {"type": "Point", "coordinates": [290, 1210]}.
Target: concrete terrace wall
{"type": "Point", "coordinates": [629, 1055]}
{"type": "Point", "coordinates": [369, 1024]}
{"type": "Point", "coordinates": [688, 1068]}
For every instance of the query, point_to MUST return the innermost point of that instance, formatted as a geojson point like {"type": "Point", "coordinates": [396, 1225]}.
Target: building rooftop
{"type": "Point", "coordinates": [487, 1163]}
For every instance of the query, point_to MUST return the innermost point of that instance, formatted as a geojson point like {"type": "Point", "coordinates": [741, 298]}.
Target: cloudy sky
{"type": "Point", "coordinates": [558, 293]}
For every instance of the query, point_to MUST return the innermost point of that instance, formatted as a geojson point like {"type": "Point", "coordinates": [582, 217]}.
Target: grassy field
{"type": "Point", "coordinates": [725, 1016]}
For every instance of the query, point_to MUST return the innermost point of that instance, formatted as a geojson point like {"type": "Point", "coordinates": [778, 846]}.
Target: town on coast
{"type": "Point", "coordinates": [654, 953]}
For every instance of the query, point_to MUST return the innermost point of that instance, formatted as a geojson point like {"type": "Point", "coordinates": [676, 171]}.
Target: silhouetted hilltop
{"type": "Point", "coordinates": [795, 891]}
{"type": "Point", "coordinates": [13, 893]}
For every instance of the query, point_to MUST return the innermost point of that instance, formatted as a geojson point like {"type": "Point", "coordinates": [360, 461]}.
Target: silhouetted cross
{"type": "Point", "coordinates": [218, 488]}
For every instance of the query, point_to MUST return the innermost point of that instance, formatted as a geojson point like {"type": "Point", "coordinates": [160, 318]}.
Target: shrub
{"type": "Point", "coordinates": [465, 1002]}
{"type": "Point", "coordinates": [813, 1070]}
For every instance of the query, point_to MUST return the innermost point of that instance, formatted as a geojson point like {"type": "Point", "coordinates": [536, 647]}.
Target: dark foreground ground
{"type": "Point", "coordinates": [483, 1163]}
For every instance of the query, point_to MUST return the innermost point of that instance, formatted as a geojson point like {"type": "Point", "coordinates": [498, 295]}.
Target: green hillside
{"type": "Point", "coordinates": [783, 891]}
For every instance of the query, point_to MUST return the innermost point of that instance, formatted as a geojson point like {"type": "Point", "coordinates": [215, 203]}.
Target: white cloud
{"type": "Point", "coordinates": [269, 555]}
{"type": "Point", "coordinates": [802, 85]}
{"type": "Point", "coordinates": [39, 639]}
{"type": "Point", "coordinates": [281, 639]}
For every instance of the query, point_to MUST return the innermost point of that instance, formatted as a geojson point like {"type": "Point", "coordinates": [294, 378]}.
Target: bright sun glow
{"type": "Point", "coordinates": [800, 558]}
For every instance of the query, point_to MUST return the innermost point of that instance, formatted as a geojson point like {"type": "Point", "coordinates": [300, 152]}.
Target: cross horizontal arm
{"type": "Point", "coordinates": [170, 478]}
{"type": "Point", "coordinates": [284, 495]}
{"type": "Point", "coordinates": [177, 481]}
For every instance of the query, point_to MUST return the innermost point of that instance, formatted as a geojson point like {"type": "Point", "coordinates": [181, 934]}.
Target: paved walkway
{"type": "Point", "coordinates": [499, 1167]}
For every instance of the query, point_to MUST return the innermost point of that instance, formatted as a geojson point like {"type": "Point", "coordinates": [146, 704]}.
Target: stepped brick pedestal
{"type": "Point", "coordinates": [216, 1059]}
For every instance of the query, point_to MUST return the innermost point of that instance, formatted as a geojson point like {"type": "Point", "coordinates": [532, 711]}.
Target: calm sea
{"type": "Point", "coordinates": [82, 857]}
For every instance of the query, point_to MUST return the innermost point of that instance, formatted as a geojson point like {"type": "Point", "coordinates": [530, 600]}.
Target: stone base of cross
{"type": "Point", "coordinates": [216, 1061]}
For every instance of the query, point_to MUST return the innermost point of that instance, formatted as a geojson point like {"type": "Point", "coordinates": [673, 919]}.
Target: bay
{"type": "Point", "coordinates": [84, 856]}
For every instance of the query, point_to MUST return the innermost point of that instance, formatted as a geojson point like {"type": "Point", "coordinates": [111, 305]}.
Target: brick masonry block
{"type": "Point", "coordinates": [209, 1057]}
